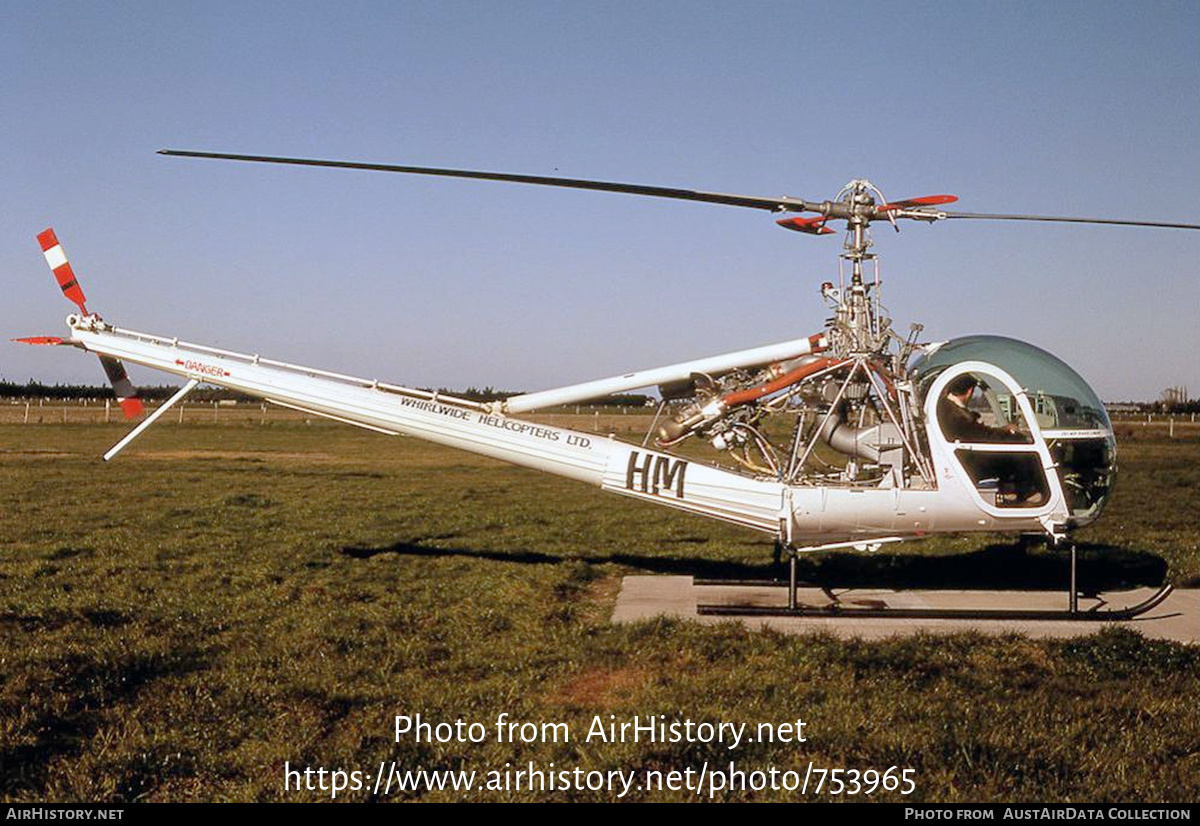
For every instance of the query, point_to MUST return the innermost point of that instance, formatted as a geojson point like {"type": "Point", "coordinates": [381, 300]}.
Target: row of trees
{"type": "Point", "coordinates": [1172, 400]}
{"type": "Point", "coordinates": [1176, 400]}
{"type": "Point", "coordinates": [37, 390]}
{"type": "Point", "coordinates": [79, 392]}
{"type": "Point", "coordinates": [1190, 406]}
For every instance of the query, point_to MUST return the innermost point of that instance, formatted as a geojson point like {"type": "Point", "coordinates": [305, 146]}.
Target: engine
{"type": "Point", "coordinates": [815, 418]}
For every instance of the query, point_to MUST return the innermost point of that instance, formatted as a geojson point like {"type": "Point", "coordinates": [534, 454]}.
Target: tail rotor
{"type": "Point", "coordinates": [56, 258]}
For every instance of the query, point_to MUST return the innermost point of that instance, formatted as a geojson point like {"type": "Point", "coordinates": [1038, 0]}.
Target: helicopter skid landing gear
{"type": "Point", "coordinates": [877, 609]}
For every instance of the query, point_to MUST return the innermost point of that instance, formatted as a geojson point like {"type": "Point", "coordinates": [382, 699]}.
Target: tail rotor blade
{"type": "Point", "coordinates": [65, 276]}
{"type": "Point", "coordinates": [123, 387]}
{"type": "Point", "coordinates": [61, 267]}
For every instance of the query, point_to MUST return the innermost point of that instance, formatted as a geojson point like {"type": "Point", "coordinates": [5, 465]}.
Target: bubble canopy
{"type": "Point", "coordinates": [1060, 396]}
{"type": "Point", "coordinates": [1070, 417]}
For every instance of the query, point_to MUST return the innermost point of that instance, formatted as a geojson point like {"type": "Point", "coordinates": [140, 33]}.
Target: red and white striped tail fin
{"type": "Point", "coordinates": [117, 376]}
{"type": "Point", "coordinates": [61, 267]}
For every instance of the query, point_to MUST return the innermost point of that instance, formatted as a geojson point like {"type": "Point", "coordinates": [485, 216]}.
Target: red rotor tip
{"type": "Point", "coordinates": [924, 200]}
{"type": "Point", "coordinates": [812, 226]}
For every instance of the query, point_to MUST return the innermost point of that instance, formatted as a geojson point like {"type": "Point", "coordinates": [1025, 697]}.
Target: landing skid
{"type": "Point", "coordinates": [835, 608]}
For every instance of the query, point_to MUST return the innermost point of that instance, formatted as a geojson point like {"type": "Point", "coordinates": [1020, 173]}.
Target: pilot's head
{"type": "Point", "coordinates": [962, 387]}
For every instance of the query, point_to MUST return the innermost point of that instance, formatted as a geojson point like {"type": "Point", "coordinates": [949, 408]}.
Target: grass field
{"type": "Point", "coordinates": [225, 598]}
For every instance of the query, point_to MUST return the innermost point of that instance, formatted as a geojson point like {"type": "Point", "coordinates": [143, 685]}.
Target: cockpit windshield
{"type": "Point", "coordinates": [1060, 397]}
{"type": "Point", "coordinates": [1070, 417]}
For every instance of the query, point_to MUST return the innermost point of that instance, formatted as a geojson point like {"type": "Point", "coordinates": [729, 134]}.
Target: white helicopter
{"type": "Point", "coordinates": [850, 438]}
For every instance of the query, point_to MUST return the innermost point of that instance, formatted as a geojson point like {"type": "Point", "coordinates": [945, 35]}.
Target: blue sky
{"type": "Point", "coordinates": [1051, 108]}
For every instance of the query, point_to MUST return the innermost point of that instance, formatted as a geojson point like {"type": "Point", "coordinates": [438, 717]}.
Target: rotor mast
{"type": "Point", "coordinates": [856, 328]}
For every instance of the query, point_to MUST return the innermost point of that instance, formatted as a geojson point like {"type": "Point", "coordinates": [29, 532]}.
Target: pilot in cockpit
{"type": "Point", "coordinates": [1014, 476]}
{"type": "Point", "coordinates": [961, 423]}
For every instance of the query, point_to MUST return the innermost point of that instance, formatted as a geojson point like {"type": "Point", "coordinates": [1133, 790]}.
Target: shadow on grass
{"type": "Point", "coordinates": [654, 564]}
{"type": "Point", "coordinates": [81, 699]}
{"type": "Point", "coordinates": [995, 567]}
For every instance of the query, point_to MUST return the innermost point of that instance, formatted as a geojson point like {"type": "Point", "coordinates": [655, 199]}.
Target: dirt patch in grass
{"type": "Point", "coordinates": [599, 688]}
{"type": "Point", "coordinates": [600, 597]}
{"type": "Point", "coordinates": [253, 455]}
{"type": "Point", "coordinates": [35, 454]}
{"type": "Point", "coordinates": [605, 591]}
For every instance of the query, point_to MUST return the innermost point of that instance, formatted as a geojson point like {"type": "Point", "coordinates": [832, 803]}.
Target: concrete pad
{"type": "Point", "coordinates": [644, 597]}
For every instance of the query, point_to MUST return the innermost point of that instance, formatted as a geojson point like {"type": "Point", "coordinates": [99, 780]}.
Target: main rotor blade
{"type": "Point", "coordinates": [782, 204]}
{"type": "Point", "coordinates": [1062, 220]}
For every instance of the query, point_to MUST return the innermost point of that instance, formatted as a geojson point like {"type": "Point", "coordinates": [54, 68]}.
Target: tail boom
{"type": "Point", "coordinates": [615, 466]}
